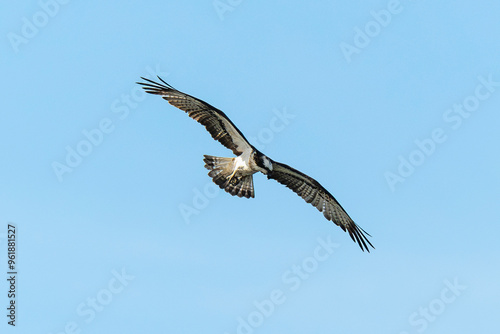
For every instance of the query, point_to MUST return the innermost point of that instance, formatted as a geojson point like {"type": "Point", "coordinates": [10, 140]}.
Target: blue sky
{"type": "Point", "coordinates": [391, 105]}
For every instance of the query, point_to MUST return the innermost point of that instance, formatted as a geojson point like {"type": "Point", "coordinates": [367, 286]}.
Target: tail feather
{"type": "Point", "coordinates": [244, 187]}
{"type": "Point", "coordinates": [221, 170]}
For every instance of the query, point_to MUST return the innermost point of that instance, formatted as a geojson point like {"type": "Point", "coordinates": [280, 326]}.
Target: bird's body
{"type": "Point", "coordinates": [235, 175]}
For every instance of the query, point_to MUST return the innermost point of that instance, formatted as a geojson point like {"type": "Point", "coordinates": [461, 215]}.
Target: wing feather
{"type": "Point", "coordinates": [313, 192]}
{"type": "Point", "coordinates": [215, 121]}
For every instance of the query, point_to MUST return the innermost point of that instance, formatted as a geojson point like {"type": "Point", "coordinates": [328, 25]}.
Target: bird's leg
{"type": "Point", "coordinates": [231, 177]}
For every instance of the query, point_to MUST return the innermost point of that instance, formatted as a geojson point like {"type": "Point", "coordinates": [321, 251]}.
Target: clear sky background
{"type": "Point", "coordinates": [391, 106]}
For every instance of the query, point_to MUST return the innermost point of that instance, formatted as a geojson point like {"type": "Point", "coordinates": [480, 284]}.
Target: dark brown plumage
{"type": "Point", "coordinates": [313, 192]}
{"type": "Point", "coordinates": [235, 175]}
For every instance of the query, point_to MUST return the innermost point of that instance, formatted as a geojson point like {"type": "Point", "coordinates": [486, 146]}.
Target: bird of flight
{"type": "Point", "coordinates": [235, 175]}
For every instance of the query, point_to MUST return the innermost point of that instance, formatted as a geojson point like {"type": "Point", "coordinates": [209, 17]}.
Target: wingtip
{"type": "Point", "coordinates": [153, 87]}
{"type": "Point", "coordinates": [360, 236]}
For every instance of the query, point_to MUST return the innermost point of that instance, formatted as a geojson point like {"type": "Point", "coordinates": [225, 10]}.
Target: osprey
{"type": "Point", "coordinates": [235, 175]}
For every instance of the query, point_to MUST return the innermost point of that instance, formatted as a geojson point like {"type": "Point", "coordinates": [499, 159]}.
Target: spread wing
{"type": "Point", "coordinates": [215, 121]}
{"type": "Point", "coordinates": [313, 192]}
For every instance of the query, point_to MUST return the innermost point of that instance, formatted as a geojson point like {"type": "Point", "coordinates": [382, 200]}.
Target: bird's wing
{"type": "Point", "coordinates": [215, 121]}
{"type": "Point", "coordinates": [313, 192]}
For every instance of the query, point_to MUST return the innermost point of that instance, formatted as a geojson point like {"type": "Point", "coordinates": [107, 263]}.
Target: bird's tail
{"type": "Point", "coordinates": [222, 171]}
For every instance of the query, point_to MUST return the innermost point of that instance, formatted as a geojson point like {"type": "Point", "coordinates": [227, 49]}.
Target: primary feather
{"type": "Point", "coordinates": [235, 175]}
